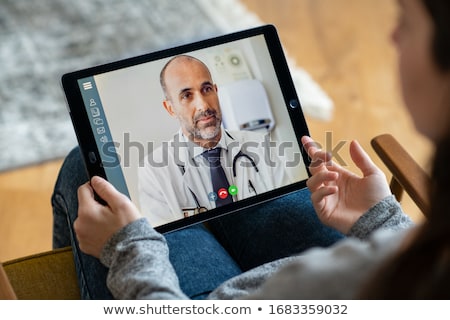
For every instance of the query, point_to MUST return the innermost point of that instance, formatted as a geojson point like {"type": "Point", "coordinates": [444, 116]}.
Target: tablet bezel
{"type": "Point", "coordinates": [86, 137]}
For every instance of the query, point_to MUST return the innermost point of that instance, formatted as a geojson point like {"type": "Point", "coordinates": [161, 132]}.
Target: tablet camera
{"type": "Point", "coordinates": [294, 104]}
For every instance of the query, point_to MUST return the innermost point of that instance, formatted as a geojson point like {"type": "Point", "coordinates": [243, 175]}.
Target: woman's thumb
{"type": "Point", "coordinates": [362, 159]}
{"type": "Point", "coordinates": [104, 190]}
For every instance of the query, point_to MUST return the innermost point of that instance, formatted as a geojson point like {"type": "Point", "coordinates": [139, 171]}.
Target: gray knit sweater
{"type": "Point", "coordinates": [139, 266]}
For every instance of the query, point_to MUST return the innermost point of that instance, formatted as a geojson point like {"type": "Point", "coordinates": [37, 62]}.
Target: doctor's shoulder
{"type": "Point", "coordinates": [158, 168]}
{"type": "Point", "coordinates": [162, 156]}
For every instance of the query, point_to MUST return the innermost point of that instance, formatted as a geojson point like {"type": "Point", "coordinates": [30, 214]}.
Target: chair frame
{"type": "Point", "coordinates": [407, 175]}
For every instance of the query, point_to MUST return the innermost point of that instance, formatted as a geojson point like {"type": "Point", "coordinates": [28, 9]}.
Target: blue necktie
{"type": "Point", "coordinates": [218, 178]}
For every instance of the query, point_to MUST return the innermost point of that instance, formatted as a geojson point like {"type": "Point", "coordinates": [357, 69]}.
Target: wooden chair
{"type": "Point", "coordinates": [407, 175]}
{"type": "Point", "coordinates": [51, 275]}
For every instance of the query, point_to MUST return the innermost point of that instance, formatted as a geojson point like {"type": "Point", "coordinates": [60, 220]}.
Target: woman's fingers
{"type": "Point", "coordinates": [321, 178]}
{"type": "Point", "coordinates": [318, 157]}
{"type": "Point", "coordinates": [318, 197]}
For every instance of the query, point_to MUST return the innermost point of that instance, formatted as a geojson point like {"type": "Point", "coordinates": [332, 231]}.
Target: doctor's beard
{"type": "Point", "coordinates": [210, 131]}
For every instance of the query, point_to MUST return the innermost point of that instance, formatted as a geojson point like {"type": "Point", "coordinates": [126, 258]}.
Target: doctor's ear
{"type": "Point", "coordinates": [168, 106]}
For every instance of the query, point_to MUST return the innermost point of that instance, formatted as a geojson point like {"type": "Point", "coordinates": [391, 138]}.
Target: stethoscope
{"type": "Point", "coordinates": [240, 154]}
{"type": "Point", "coordinates": [236, 157]}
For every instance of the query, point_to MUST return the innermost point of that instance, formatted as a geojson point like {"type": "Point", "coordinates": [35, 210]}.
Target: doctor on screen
{"type": "Point", "coordinates": [204, 166]}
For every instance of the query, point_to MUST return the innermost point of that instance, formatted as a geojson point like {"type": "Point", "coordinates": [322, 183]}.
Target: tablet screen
{"type": "Point", "coordinates": [193, 132]}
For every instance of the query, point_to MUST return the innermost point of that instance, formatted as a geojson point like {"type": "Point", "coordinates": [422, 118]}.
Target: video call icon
{"type": "Point", "coordinates": [222, 193]}
{"type": "Point", "coordinates": [212, 196]}
{"type": "Point", "coordinates": [87, 85]}
{"type": "Point", "coordinates": [101, 130]}
{"type": "Point", "coordinates": [95, 112]}
{"type": "Point", "coordinates": [233, 190]}
{"type": "Point", "coordinates": [98, 121]}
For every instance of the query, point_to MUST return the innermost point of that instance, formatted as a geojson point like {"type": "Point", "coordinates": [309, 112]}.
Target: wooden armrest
{"type": "Point", "coordinates": [406, 173]}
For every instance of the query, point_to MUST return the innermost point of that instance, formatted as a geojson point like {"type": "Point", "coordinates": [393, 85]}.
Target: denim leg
{"type": "Point", "coordinates": [91, 273]}
{"type": "Point", "coordinates": [279, 228]}
{"type": "Point", "coordinates": [200, 262]}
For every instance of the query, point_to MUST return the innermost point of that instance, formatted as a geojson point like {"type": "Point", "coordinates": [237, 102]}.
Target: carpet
{"type": "Point", "coordinates": [41, 40]}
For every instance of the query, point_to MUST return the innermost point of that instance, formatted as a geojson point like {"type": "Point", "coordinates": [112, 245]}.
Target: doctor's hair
{"type": "Point", "coordinates": [162, 75]}
{"type": "Point", "coordinates": [421, 270]}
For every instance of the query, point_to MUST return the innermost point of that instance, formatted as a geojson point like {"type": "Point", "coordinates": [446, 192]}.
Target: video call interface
{"type": "Point", "coordinates": [147, 156]}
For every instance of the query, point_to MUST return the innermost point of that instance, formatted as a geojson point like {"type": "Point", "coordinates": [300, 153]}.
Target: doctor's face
{"type": "Point", "coordinates": [192, 99]}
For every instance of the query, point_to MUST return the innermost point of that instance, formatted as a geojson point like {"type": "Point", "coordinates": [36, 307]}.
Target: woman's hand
{"type": "Point", "coordinates": [96, 223]}
{"type": "Point", "coordinates": [339, 196]}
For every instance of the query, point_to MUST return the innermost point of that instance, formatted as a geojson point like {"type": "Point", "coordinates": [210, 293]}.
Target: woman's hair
{"type": "Point", "coordinates": [439, 10]}
{"type": "Point", "coordinates": [422, 269]}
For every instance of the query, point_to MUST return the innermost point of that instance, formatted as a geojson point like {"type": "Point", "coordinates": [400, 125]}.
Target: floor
{"type": "Point", "coordinates": [343, 44]}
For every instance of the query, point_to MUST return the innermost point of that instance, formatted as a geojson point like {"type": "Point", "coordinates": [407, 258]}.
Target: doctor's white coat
{"type": "Point", "coordinates": [173, 182]}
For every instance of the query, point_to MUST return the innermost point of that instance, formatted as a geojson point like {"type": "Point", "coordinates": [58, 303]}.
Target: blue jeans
{"type": "Point", "coordinates": [203, 258]}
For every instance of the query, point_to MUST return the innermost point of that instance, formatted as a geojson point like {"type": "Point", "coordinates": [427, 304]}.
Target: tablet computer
{"type": "Point", "coordinates": [196, 131]}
